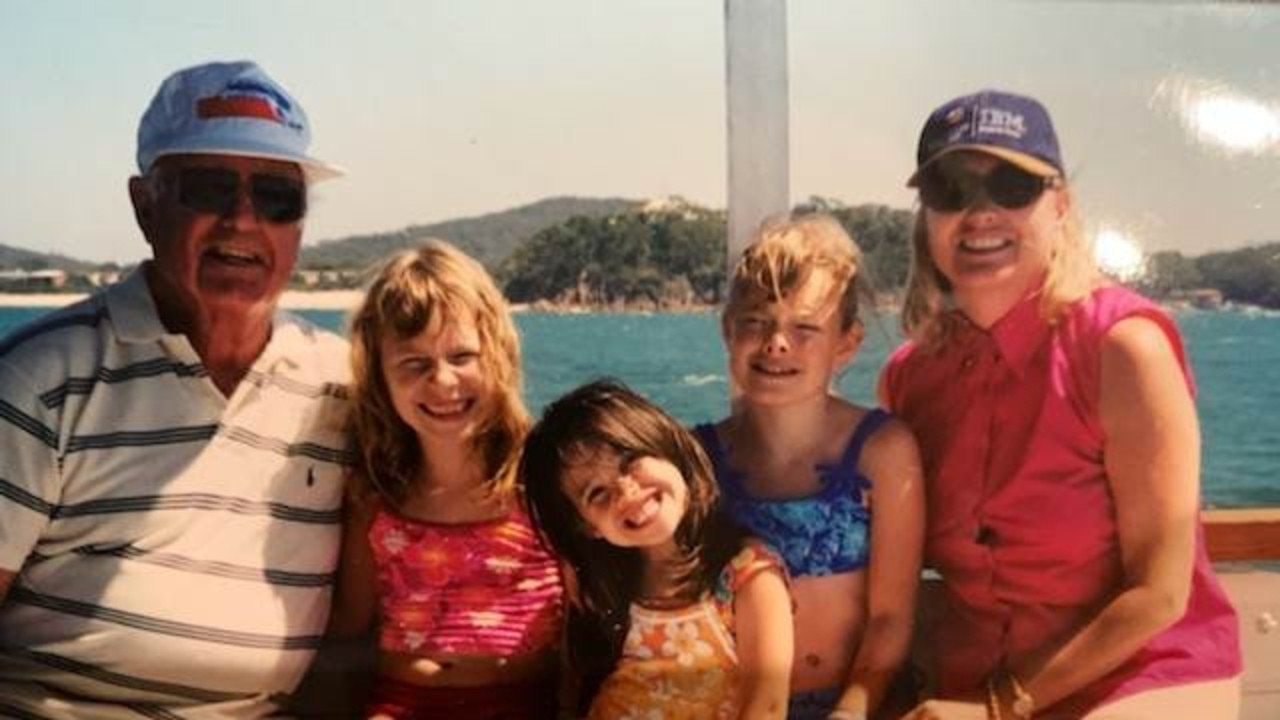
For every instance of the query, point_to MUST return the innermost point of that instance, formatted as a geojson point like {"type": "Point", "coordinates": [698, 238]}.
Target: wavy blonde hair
{"type": "Point", "coordinates": [926, 311]}
{"type": "Point", "coordinates": [436, 283]}
{"type": "Point", "coordinates": [785, 253]}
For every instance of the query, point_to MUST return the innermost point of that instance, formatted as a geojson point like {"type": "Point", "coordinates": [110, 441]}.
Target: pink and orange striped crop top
{"type": "Point", "coordinates": [482, 588]}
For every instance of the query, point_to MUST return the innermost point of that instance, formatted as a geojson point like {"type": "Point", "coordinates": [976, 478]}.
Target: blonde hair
{"type": "Point", "coordinates": [436, 283]}
{"type": "Point", "coordinates": [785, 253]}
{"type": "Point", "coordinates": [1072, 275]}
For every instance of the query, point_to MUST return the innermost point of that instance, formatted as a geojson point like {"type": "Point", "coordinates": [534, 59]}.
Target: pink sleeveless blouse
{"type": "Point", "coordinates": [482, 588]}
{"type": "Point", "coordinates": [1021, 519]}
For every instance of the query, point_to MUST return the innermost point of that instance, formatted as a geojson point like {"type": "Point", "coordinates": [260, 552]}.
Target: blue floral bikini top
{"type": "Point", "coordinates": [825, 533]}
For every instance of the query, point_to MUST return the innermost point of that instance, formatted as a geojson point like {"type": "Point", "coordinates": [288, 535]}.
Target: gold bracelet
{"type": "Point", "coordinates": [1023, 704]}
{"type": "Point", "coordinates": [993, 699]}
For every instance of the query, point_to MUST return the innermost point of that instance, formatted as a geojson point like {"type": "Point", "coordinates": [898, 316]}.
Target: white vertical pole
{"type": "Point", "coordinates": [756, 82]}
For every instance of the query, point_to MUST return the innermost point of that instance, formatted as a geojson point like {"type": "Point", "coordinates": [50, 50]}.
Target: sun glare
{"type": "Point", "coordinates": [1118, 255]}
{"type": "Point", "coordinates": [1223, 118]}
{"type": "Point", "coordinates": [1237, 124]}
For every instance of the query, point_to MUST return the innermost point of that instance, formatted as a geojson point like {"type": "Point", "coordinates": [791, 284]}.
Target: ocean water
{"type": "Point", "coordinates": [677, 360]}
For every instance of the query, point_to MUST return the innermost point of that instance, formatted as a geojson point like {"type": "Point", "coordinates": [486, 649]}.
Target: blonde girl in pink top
{"type": "Point", "coordinates": [438, 547]}
{"type": "Point", "coordinates": [1058, 431]}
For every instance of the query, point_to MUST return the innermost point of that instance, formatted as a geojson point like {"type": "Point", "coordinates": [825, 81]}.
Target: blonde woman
{"type": "Point", "coordinates": [1057, 426]}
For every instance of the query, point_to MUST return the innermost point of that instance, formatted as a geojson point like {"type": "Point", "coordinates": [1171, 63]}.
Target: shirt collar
{"type": "Point", "coordinates": [287, 332]}
{"type": "Point", "coordinates": [1020, 332]}
{"type": "Point", "coordinates": [133, 310]}
{"type": "Point", "coordinates": [137, 320]}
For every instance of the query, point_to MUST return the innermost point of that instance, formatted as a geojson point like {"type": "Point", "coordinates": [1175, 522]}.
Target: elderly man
{"type": "Point", "coordinates": [172, 464]}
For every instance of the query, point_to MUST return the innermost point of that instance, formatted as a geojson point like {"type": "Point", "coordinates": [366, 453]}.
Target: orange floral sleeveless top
{"type": "Point", "coordinates": [681, 663]}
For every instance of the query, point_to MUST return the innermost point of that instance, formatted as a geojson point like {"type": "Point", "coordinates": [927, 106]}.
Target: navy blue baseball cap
{"type": "Point", "coordinates": [1014, 128]}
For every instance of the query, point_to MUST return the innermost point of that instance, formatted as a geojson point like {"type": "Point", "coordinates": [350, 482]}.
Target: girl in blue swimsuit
{"type": "Point", "coordinates": [808, 471]}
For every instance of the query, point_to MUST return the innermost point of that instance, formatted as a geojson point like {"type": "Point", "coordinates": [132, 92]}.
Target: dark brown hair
{"type": "Point", "coordinates": [606, 578]}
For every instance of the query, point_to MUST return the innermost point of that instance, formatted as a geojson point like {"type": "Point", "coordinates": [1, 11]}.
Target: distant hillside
{"type": "Point", "coordinates": [670, 253]}
{"type": "Point", "coordinates": [1249, 275]}
{"type": "Point", "coordinates": [489, 238]}
{"type": "Point", "coordinates": [12, 257]}
{"type": "Point", "coordinates": [665, 254]}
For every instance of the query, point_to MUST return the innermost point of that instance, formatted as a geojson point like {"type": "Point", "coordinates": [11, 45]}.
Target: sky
{"type": "Point", "coordinates": [1168, 112]}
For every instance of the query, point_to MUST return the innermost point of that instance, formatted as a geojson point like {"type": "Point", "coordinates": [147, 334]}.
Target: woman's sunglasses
{"type": "Point", "coordinates": [1010, 187]}
{"type": "Point", "coordinates": [276, 198]}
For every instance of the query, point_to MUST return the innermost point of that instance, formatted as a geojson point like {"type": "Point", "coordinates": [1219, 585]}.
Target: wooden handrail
{"type": "Point", "coordinates": [1240, 535]}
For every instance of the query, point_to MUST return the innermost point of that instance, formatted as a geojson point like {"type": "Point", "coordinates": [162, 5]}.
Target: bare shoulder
{"type": "Point", "coordinates": [1137, 338]}
{"type": "Point", "coordinates": [892, 436]}
{"type": "Point", "coordinates": [1138, 359]}
{"type": "Point", "coordinates": [891, 453]}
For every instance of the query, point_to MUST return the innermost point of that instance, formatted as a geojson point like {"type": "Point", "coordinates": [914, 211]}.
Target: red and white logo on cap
{"type": "Point", "coordinates": [244, 99]}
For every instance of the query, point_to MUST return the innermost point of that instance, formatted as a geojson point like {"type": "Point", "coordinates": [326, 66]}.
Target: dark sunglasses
{"type": "Point", "coordinates": [276, 198]}
{"type": "Point", "coordinates": [1007, 185]}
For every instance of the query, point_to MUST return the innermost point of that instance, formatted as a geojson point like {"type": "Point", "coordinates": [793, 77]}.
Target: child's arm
{"type": "Point", "coordinates": [355, 597]}
{"type": "Point", "coordinates": [892, 461]}
{"type": "Point", "coordinates": [762, 614]}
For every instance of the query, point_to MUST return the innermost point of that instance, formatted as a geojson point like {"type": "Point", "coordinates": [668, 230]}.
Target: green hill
{"type": "Point", "coordinates": [671, 253]}
{"type": "Point", "coordinates": [12, 257]}
{"type": "Point", "coordinates": [490, 238]}
{"type": "Point", "coordinates": [1249, 275]}
{"type": "Point", "coordinates": [665, 254]}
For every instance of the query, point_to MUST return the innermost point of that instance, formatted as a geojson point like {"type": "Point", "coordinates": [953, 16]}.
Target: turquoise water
{"type": "Point", "coordinates": [678, 361]}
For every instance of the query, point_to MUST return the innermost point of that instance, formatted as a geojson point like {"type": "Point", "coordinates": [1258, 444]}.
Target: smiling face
{"type": "Point", "coordinates": [628, 502]}
{"type": "Point", "coordinates": [992, 256]}
{"type": "Point", "coordinates": [208, 263]}
{"type": "Point", "coordinates": [788, 350]}
{"type": "Point", "coordinates": [436, 381]}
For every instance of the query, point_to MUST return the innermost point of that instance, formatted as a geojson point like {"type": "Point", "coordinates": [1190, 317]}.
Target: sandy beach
{"type": "Point", "coordinates": [291, 300]}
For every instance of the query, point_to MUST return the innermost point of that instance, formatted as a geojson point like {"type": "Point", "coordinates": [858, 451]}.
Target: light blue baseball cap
{"type": "Point", "coordinates": [228, 108]}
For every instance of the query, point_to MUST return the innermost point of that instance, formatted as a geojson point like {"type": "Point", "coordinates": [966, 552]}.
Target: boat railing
{"type": "Point", "coordinates": [1245, 547]}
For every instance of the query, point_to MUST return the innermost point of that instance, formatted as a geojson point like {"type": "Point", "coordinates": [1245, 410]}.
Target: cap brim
{"type": "Point", "coordinates": [1030, 163]}
{"type": "Point", "coordinates": [314, 170]}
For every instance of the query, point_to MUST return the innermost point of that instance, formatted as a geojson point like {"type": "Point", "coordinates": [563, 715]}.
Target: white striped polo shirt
{"type": "Point", "coordinates": [176, 547]}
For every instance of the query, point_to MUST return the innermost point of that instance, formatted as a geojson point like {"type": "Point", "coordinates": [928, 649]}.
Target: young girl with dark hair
{"type": "Point", "coordinates": [675, 612]}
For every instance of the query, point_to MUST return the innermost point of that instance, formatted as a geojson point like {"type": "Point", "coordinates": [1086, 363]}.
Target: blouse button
{"type": "Point", "coordinates": [968, 362]}
{"type": "Point", "coordinates": [986, 536]}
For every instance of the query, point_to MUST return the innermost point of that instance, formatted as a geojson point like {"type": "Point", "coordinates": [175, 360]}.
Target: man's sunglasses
{"type": "Point", "coordinates": [1007, 185]}
{"type": "Point", "coordinates": [276, 198]}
